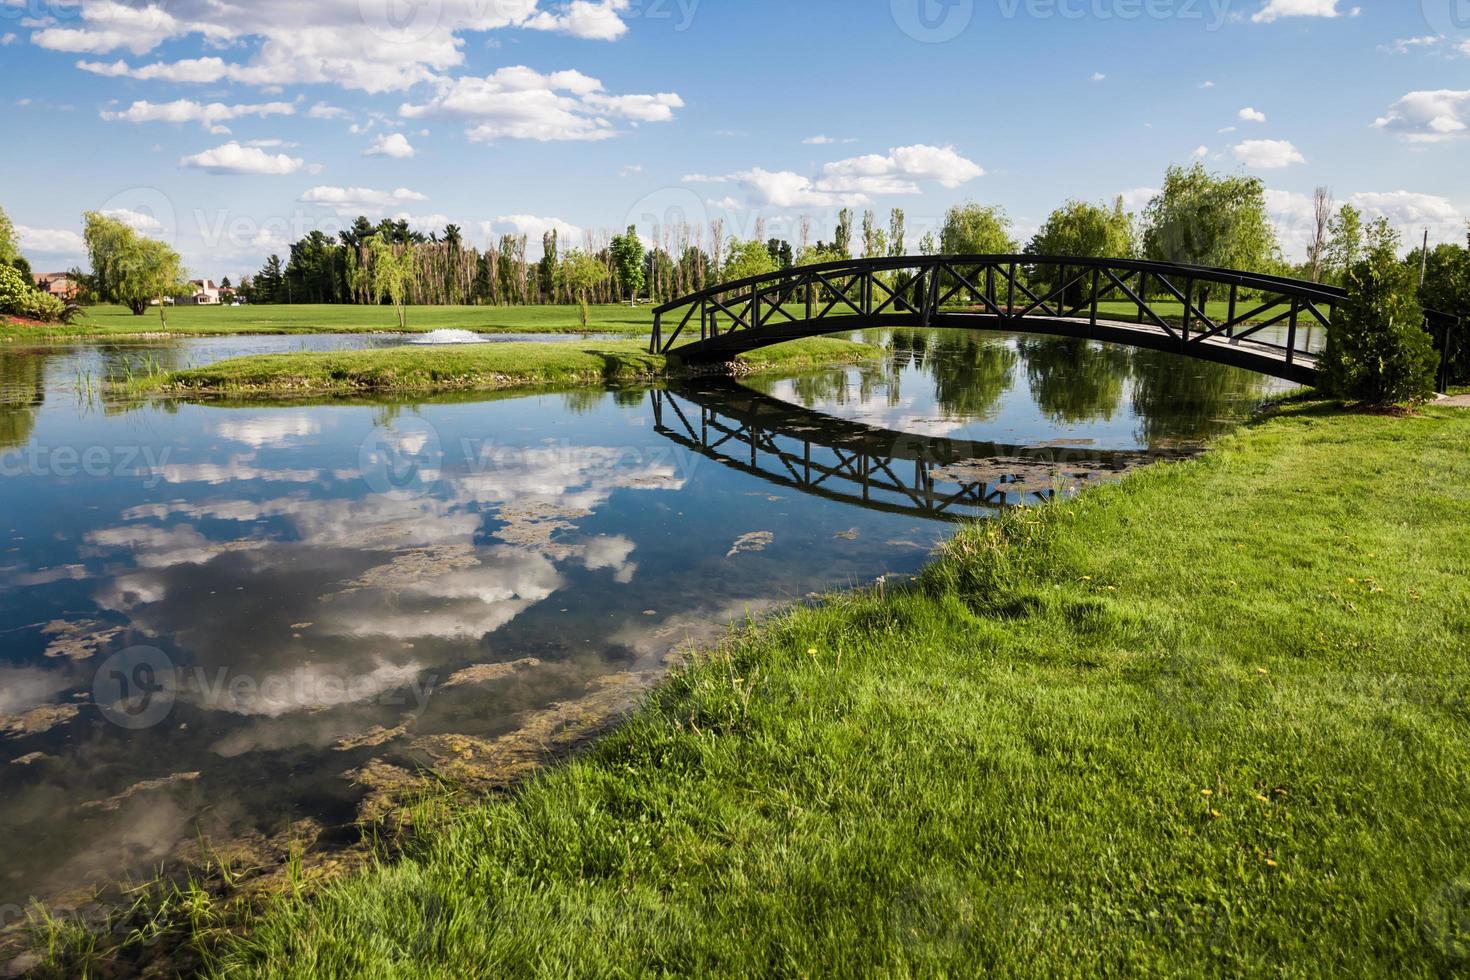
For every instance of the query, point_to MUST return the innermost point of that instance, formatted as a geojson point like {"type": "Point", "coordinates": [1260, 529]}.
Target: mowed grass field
{"type": "Point", "coordinates": [105, 321]}
{"type": "Point", "coordinates": [116, 321]}
{"type": "Point", "coordinates": [1208, 721]}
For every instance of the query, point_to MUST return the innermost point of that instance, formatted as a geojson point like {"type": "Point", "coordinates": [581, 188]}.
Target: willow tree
{"type": "Point", "coordinates": [392, 275]}
{"type": "Point", "coordinates": [579, 273]}
{"type": "Point", "coordinates": [130, 269]}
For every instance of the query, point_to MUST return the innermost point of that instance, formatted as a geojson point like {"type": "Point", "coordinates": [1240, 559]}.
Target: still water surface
{"type": "Point", "coordinates": [219, 620]}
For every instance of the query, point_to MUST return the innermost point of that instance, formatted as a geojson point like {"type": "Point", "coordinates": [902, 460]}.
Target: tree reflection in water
{"type": "Point", "coordinates": [22, 392]}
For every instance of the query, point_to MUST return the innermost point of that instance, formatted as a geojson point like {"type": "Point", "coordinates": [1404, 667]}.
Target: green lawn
{"type": "Point", "coordinates": [116, 321]}
{"type": "Point", "coordinates": [469, 367]}
{"type": "Point", "coordinates": [1208, 721]}
{"type": "Point", "coordinates": [113, 321]}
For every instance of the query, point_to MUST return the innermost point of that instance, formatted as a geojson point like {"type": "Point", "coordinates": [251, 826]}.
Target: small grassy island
{"type": "Point", "coordinates": [470, 367]}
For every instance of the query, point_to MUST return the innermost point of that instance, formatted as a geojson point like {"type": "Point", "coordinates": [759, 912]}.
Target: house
{"type": "Point", "coordinates": [58, 284]}
{"type": "Point", "coordinates": [206, 293]}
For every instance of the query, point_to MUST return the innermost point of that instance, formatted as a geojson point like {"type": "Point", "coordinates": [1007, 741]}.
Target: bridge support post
{"type": "Point", "coordinates": [1230, 319]}
{"type": "Point", "coordinates": [1188, 308]}
{"type": "Point", "coordinates": [1296, 306]}
{"type": "Point", "coordinates": [657, 343]}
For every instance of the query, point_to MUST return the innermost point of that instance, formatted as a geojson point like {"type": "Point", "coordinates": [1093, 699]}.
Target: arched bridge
{"type": "Point", "coordinates": [1268, 324]}
{"type": "Point", "coordinates": [935, 477]}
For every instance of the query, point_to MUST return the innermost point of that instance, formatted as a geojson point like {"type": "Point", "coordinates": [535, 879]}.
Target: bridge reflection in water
{"type": "Point", "coordinates": [880, 469]}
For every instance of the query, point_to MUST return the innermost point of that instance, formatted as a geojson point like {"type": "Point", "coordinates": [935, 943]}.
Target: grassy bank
{"type": "Point", "coordinates": [1210, 720]}
{"type": "Point", "coordinates": [468, 367]}
{"type": "Point", "coordinates": [117, 321]}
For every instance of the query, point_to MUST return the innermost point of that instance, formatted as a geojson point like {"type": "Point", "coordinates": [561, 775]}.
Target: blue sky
{"type": "Point", "coordinates": [231, 128]}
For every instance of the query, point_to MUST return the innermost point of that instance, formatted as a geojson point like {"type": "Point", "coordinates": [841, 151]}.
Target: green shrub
{"type": "Point", "coordinates": [42, 306]}
{"type": "Point", "coordinates": [20, 297]}
{"type": "Point", "coordinates": [14, 290]}
{"type": "Point", "coordinates": [1377, 350]}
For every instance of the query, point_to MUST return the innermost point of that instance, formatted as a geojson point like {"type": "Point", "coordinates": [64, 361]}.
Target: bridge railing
{"type": "Point", "coordinates": [1191, 304]}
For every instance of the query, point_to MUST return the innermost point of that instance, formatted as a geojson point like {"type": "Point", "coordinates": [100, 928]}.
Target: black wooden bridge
{"type": "Point", "coordinates": [796, 448]}
{"type": "Point", "coordinates": [1262, 323]}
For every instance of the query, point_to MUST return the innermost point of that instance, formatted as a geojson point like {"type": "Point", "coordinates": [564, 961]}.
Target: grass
{"type": "Point", "coordinates": [1210, 720]}
{"type": "Point", "coordinates": [117, 321]}
{"type": "Point", "coordinates": [471, 367]}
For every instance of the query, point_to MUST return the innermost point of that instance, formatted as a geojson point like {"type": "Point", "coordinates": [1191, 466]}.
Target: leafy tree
{"type": "Point", "coordinates": [1446, 289]}
{"type": "Point", "coordinates": [974, 229]}
{"type": "Point", "coordinates": [1200, 218]}
{"type": "Point", "coordinates": [1377, 350]}
{"type": "Point", "coordinates": [392, 275]}
{"type": "Point", "coordinates": [130, 269]}
{"type": "Point", "coordinates": [896, 244]}
{"type": "Point", "coordinates": [747, 259]}
{"type": "Point", "coordinates": [843, 242]}
{"type": "Point", "coordinates": [927, 244]}
{"type": "Point", "coordinates": [1344, 243]}
{"type": "Point", "coordinates": [781, 253]}
{"type": "Point", "coordinates": [1085, 230]}
{"type": "Point", "coordinates": [578, 274]}
{"type": "Point", "coordinates": [627, 256]}
{"type": "Point", "coordinates": [9, 241]}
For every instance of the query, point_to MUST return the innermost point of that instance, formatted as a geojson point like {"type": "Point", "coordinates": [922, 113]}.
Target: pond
{"type": "Point", "coordinates": [222, 620]}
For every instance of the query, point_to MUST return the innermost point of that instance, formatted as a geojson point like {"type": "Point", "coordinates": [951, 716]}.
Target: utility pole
{"type": "Point", "coordinates": [1424, 260]}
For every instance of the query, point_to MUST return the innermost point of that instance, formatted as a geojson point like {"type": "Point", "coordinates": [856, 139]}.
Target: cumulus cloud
{"type": "Point", "coordinates": [1410, 213]}
{"type": "Point", "coordinates": [1428, 117]}
{"type": "Point", "coordinates": [371, 47]}
{"type": "Point", "coordinates": [349, 202]}
{"type": "Point", "coordinates": [234, 158]}
{"type": "Point", "coordinates": [533, 227]}
{"type": "Point", "coordinates": [855, 180]}
{"type": "Point", "coordinates": [52, 241]}
{"type": "Point", "coordinates": [394, 145]}
{"type": "Point", "coordinates": [210, 115]}
{"type": "Point", "coordinates": [522, 103]}
{"type": "Point", "coordinates": [324, 111]}
{"type": "Point", "coordinates": [1268, 154]}
{"type": "Point", "coordinates": [1249, 114]}
{"type": "Point", "coordinates": [1276, 9]}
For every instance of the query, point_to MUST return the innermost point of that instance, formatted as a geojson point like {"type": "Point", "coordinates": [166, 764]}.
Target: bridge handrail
{"type": "Point", "coordinates": [1249, 280]}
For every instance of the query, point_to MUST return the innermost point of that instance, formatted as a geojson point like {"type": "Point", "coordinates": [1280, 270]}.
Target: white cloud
{"type": "Point", "coordinates": [1228, 129]}
{"type": "Point", "coordinates": [1136, 198]}
{"type": "Point", "coordinates": [233, 158]}
{"type": "Point", "coordinates": [1200, 152]}
{"type": "Point", "coordinates": [818, 140]}
{"type": "Point", "coordinates": [1268, 154]}
{"type": "Point", "coordinates": [1249, 114]}
{"type": "Point", "coordinates": [1408, 212]}
{"type": "Point", "coordinates": [139, 221]}
{"type": "Point", "coordinates": [209, 115]}
{"type": "Point", "coordinates": [783, 189]}
{"type": "Point", "coordinates": [1404, 45]}
{"type": "Point", "coordinates": [521, 103]}
{"type": "Point", "coordinates": [349, 202]}
{"type": "Point", "coordinates": [373, 47]}
{"type": "Point", "coordinates": [534, 228]}
{"type": "Point", "coordinates": [49, 240]}
{"type": "Point", "coordinates": [900, 171]}
{"type": "Point", "coordinates": [6, 40]}
{"type": "Point", "coordinates": [394, 145]}
{"type": "Point", "coordinates": [1411, 213]}
{"type": "Point", "coordinates": [1098, 76]}
{"type": "Point", "coordinates": [324, 111]}
{"type": "Point", "coordinates": [1207, 84]}
{"type": "Point", "coordinates": [1275, 9]}
{"type": "Point", "coordinates": [1428, 117]}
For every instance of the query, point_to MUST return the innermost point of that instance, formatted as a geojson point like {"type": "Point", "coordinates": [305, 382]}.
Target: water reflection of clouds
{"type": "Point", "coordinates": [269, 431]}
